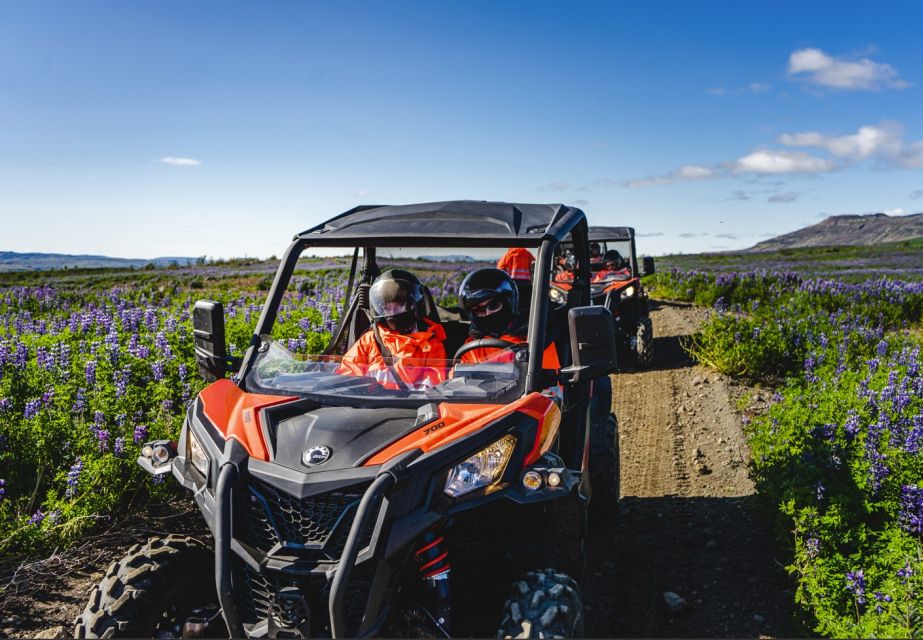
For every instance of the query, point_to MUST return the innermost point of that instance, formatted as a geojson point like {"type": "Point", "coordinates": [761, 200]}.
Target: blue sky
{"type": "Point", "coordinates": [144, 129]}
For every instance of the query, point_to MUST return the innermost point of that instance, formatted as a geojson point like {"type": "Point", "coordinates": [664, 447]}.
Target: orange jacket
{"type": "Point", "coordinates": [418, 358]}
{"type": "Point", "coordinates": [494, 354]}
{"type": "Point", "coordinates": [517, 262]}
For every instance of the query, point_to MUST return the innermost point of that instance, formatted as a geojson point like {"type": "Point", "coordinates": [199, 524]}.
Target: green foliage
{"type": "Point", "coordinates": [839, 450]}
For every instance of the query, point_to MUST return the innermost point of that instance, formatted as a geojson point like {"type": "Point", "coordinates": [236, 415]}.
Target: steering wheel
{"type": "Point", "coordinates": [483, 343]}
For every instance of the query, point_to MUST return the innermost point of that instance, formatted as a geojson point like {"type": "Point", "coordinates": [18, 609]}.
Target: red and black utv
{"type": "Point", "coordinates": [344, 506]}
{"type": "Point", "coordinates": [615, 283]}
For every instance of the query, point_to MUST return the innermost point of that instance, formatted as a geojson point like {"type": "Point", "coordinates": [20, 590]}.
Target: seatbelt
{"type": "Point", "coordinates": [387, 355]}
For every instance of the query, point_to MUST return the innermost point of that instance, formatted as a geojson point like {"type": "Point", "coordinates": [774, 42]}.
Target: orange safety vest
{"type": "Point", "coordinates": [517, 262]}
{"type": "Point", "coordinates": [418, 358]}
{"type": "Point", "coordinates": [496, 354]}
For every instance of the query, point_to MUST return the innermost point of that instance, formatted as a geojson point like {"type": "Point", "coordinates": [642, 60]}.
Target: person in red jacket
{"type": "Point", "coordinates": [614, 267]}
{"type": "Point", "coordinates": [403, 348]}
{"type": "Point", "coordinates": [491, 298]}
{"type": "Point", "coordinates": [517, 262]}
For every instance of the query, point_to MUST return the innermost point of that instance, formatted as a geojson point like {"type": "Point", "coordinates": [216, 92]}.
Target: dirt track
{"type": "Point", "coordinates": [699, 531]}
{"type": "Point", "coordinates": [689, 520]}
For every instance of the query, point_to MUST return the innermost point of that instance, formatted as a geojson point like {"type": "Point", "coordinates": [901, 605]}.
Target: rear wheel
{"type": "Point", "coordinates": [543, 604]}
{"type": "Point", "coordinates": [644, 343]}
{"type": "Point", "coordinates": [153, 591]}
{"type": "Point", "coordinates": [604, 452]}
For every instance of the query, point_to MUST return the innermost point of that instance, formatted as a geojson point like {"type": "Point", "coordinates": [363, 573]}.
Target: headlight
{"type": "Point", "coordinates": [197, 455]}
{"type": "Point", "coordinates": [482, 469]}
{"type": "Point", "coordinates": [555, 295]}
{"type": "Point", "coordinates": [627, 292]}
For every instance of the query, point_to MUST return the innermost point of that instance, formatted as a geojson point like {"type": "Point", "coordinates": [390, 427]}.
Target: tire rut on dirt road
{"type": "Point", "coordinates": [689, 521]}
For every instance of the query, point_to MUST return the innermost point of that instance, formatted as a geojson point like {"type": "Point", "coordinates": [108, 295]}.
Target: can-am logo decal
{"type": "Point", "coordinates": [316, 455]}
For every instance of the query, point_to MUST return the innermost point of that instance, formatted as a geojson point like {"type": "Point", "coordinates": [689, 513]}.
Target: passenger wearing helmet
{"type": "Point", "coordinates": [596, 253]}
{"type": "Point", "coordinates": [613, 267]}
{"type": "Point", "coordinates": [491, 298]}
{"type": "Point", "coordinates": [517, 262]}
{"type": "Point", "coordinates": [403, 348]}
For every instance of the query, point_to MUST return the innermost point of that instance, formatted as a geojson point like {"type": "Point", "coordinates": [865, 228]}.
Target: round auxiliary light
{"type": "Point", "coordinates": [147, 451]}
{"type": "Point", "coordinates": [160, 454]}
{"type": "Point", "coordinates": [554, 479]}
{"type": "Point", "coordinates": [532, 480]}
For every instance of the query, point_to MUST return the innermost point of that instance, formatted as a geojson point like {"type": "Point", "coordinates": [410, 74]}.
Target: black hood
{"type": "Point", "coordinates": [338, 437]}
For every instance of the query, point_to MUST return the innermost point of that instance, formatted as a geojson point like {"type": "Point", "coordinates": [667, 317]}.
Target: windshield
{"type": "Point", "coordinates": [494, 375]}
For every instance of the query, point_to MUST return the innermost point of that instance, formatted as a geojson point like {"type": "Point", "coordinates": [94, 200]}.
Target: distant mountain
{"type": "Point", "coordinates": [874, 228]}
{"type": "Point", "coordinates": [13, 261]}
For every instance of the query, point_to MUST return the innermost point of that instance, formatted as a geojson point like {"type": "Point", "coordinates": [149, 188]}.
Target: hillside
{"type": "Point", "coordinates": [871, 229]}
{"type": "Point", "coordinates": [13, 261]}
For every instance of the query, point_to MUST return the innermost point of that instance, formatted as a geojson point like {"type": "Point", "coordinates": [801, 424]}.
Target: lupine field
{"type": "Point", "coordinates": [94, 365]}
{"type": "Point", "coordinates": [838, 452]}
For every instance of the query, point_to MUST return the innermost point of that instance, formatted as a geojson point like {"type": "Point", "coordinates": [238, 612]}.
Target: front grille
{"type": "Point", "coordinates": [276, 597]}
{"type": "Point", "coordinates": [267, 517]}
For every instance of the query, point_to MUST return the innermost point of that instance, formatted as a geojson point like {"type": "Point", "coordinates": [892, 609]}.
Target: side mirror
{"type": "Point", "coordinates": [647, 266]}
{"type": "Point", "coordinates": [592, 344]}
{"type": "Point", "coordinates": [208, 331]}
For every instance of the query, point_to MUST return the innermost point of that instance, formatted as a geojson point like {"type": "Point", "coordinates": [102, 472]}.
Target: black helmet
{"type": "Point", "coordinates": [491, 298]}
{"type": "Point", "coordinates": [595, 249]}
{"type": "Point", "coordinates": [613, 256]}
{"type": "Point", "coordinates": [396, 299]}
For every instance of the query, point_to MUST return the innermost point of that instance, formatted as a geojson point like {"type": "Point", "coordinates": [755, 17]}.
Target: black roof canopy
{"type": "Point", "coordinates": [600, 234]}
{"type": "Point", "coordinates": [470, 223]}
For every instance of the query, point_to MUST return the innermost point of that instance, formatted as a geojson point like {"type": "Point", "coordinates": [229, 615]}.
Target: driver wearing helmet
{"type": "Point", "coordinates": [403, 348]}
{"type": "Point", "coordinates": [491, 298]}
{"type": "Point", "coordinates": [613, 267]}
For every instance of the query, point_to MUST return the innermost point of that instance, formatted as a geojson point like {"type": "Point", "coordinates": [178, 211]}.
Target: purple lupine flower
{"type": "Point", "coordinates": [812, 547]}
{"type": "Point", "coordinates": [851, 427]}
{"type": "Point", "coordinates": [879, 598]}
{"type": "Point", "coordinates": [157, 369]}
{"type": "Point", "coordinates": [140, 433]}
{"type": "Point", "coordinates": [90, 373]}
{"type": "Point", "coordinates": [911, 510]}
{"type": "Point", "coordinates": [80, 402]}
{"type": "Point", "coordinates": [48, 396]}
{"type": "Point", "coordinates": [2, 489]}
{"type": "Point", "coordinates": [36, 518]}
{"type": "Point", "coordinates": [167, 405]}
{"type": "Point", "coordinates": [119, 447]}
{"type": "Point", "coordinates": [182, 370]}
{"type": "Point", "coordinates": [5, 404]}
{"type": "Point", "coordinates": [32, 408]}
{"type": "Point", "coordinates": [855, 584]}
{"type": "Point", "coordinates": [881, 349]}
{"type": "Point", "coordinates": [819, 490]}
{"type": "Point", "coordinates": [20, 356]}
{"type": "Point", "coordinates": [73, 478]}
{"type": "Point", "coordinates": [122, 378]}
{"type": "Point", "coordinates": [905, 572]}
{"type": "Point", "coordinates": [102, 435]}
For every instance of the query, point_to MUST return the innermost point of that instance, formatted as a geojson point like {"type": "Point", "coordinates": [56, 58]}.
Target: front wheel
{"type": "Point", "coordinates": [153, 591]}
{"type": "Point", "coordinates": [644, 343]}
{"type": "Point", "coordinates": [543, 604]}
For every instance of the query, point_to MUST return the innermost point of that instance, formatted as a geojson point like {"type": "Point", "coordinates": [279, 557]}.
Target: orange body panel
{"type": "Point", "coordinates": [459, 420]}
{"type": "Point", "coordinates": [620, 284]}
{"type": "Point", "coordinates": [235, 414]}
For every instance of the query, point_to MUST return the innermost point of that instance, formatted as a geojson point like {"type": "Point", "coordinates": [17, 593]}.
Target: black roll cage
{"type": "Point", "coordinates": [574, 224]}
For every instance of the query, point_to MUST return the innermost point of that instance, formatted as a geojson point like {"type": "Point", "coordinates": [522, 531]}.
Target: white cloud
{"type": "Point", "coordinates": [775, 162]}
{"type": "Point", "coordinates": [758, 87]}
{"type": "Point", "coordinates": [685, 173]}
{"type": "Point", "coordinates": [816, 67]}
{"type": "Point", "coordinates": [360, 193]}
{"type": "Point", "coordinates": [174, 161]}
{"type": "Point", "coordinates": [895, 212]}
{"type": "Point", "coordinates": [784, 198]}
{"type": "Point", "coordinates": [753, 87]}
{"type": "Point", "coordinates": [868, 141]}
